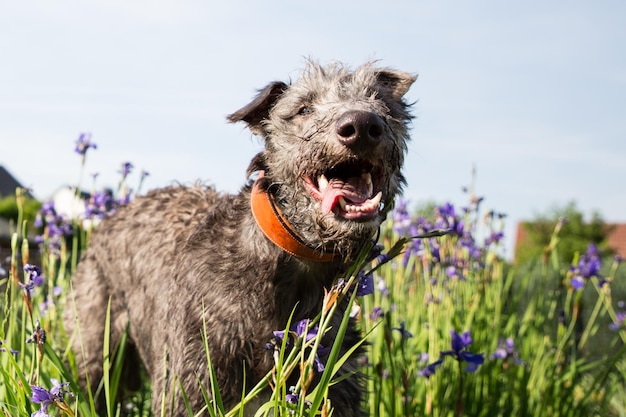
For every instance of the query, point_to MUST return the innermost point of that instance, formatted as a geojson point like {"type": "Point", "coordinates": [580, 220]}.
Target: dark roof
{"type": "Point", "coordinates": [8, 184]}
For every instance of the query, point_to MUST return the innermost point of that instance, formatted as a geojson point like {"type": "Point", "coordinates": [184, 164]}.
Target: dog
{"type": "Point", "coordinates": [331, 166]}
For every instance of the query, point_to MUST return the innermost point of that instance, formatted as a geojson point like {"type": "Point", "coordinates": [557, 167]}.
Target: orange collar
{"type": "Point", "coordinates": [277, 229]}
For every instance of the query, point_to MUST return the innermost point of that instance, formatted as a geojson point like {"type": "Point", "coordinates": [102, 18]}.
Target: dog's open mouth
{"type": "Point", "coordinates": [348, 190]}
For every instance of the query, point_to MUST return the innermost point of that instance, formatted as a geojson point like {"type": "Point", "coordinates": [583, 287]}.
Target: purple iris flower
{"type": "Point", "coordinates": [588, 266]}
{"type": "Point", "coordinates": [125, 199]}
{"type": "Point", "coordinates": [38, 223]}
{"type": "Point", "coordinates": [126, 169]}
{"type": "Point", "coordinates": [590, 263]}
{"type": "Point", "coordinates": [38, 336]}
{"type": "Point", "coordinates": [377, 313]}
{"type": "Point", "coordinates": [617, 324]}
{"type": "Point", "coordinates": [381, 286]}
{"type": "Point", "coordinates": [48, 211]}
{"type": "Point", "coordinates": [365, 285]}
{"type": "Point", "coordinates": [495, 237]}
{"type": "Point", "coordinates": [451, 271]}
{"type": "Point", "coordinates": [84, 143]}
{"type": "Point", "coordinates": [46, 398]}
{"type": "Point", "coordinates": [460, 342]}
{"type": "Point", "coordinates": [34, 274]}
{"type": "Point", "coordinates": [376, 250]}
{"type": "Point", "coordinates": [448, 220]}
{"type": "Point", "coordinates": [301, 329]}
{"type": "Point", "coordinates": [377, 253]}
{"type": "Point", "coordinates": [58, 227]}
{"type": "Point", "coordinates": [401, 217]}
{"type": "Point", "coordinates": [414, 247]}
{"type": "Point", "coordinates": [28, 288]}
{"type": "Point", "coordinates": [506, 349]}
{"type": "Point", "coordinates": [99, 205]}
{"type": "Point", "coordinates": [577, 282]}
{"type": "Point", "coordinates": [403, 331]}
{"type": "Point", "coordinates": [430, 368]}
{"type": "Point", "coordinates": [292, 398]}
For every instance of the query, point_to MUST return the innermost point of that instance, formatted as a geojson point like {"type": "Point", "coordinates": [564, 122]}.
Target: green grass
{"type": "Point", "coordinates": [565, 360]}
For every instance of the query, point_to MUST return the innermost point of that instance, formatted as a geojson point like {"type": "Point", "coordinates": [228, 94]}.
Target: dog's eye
{"type": "Point", "coordinates": [305, 110]}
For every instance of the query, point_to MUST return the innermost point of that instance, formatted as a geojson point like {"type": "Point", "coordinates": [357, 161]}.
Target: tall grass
{"type": "Point", "coordinates": [528, 325]}
{"type": "Point", "coordinates": [449, 327]}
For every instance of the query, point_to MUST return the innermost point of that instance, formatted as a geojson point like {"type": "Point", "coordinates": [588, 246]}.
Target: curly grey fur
{"type": "Point", "coordinates": [169, 253]}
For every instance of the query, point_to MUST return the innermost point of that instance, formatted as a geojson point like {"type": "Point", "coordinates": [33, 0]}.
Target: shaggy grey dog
{"type": "Point", "coordinates": [331, 166]}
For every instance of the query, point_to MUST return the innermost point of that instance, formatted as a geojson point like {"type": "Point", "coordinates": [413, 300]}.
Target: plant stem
{"type": "Point", "coordinates": [459, 398]}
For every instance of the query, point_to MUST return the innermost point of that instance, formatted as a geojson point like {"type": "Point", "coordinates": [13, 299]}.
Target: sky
{"type": "Point", "coordinates": [529, 93]}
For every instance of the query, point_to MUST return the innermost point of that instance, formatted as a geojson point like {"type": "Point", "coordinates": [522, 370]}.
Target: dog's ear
{"type": "Point", "coordinates": [257, 164]}
{"type": "Point", "coordinates": [395, 83]}
{"type": "Point", "coordinates": [258, 109]}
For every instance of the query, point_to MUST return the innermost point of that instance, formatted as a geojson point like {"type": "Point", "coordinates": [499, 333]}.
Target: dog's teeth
{"type": "Point", "coordinates": [376, 200]}
{"type": "Point", "coordinates": [322, 183]}
{"type": "Point", "coordinates": [342, 203]}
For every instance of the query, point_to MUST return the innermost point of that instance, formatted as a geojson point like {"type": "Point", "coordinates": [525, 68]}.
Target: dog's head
{"type": "Point", "coordinates": [334, 147]}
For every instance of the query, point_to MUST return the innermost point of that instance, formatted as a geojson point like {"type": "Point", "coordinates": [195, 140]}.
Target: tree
{"type": "Point", "coordinates": [574, 237]}
{"type": "Point", "coordinates": [9, 208]}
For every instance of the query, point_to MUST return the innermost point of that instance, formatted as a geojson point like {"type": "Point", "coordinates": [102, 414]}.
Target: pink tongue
{"type": "Point", "coordinates": [354, 190]}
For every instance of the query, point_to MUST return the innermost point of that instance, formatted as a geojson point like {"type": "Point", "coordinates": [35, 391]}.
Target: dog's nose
{"type": "Point", "coordinates": [356, 128]}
